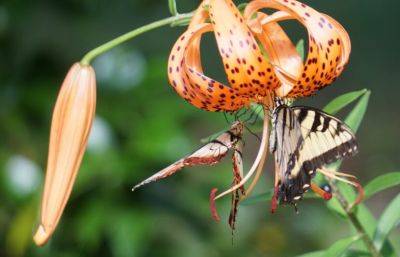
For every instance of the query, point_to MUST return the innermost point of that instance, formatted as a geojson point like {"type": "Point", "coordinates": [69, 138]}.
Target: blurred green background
{"type": "Point", "coordinates": [142, 125]}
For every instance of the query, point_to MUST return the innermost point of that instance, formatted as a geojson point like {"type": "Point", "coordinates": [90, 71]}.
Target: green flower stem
{"type": "Point", "coordinates": [354, 220]}
{"type": "Point", "coordinates": [172, 7]}
{"type": "Point", "coordinates": [88, 58]}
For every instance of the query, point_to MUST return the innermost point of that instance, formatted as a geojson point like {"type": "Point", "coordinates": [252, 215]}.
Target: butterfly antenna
{"type": "Point", "coordinates": [250, 117]}
{"type": "Point", "coordinates": [241, 114]}
{"type": "Point", "coordinates": [257, 116]}
{"type": "Point", "coordinates": [226, 118]}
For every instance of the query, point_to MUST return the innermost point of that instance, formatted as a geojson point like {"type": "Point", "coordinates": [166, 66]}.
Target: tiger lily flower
{"type": "Point", "coordinates": [255, 77]}
{"type": "Point", "coordinates": [72, 120]}
{"type": "Point", "coordinates": [249, 73]}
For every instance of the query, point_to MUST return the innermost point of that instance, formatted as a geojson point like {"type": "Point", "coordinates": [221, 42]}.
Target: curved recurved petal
{"type": "Point", "coordinates": [246, 68]}
{"type": "Point", "coordinates": [200, 17]}
{"type": "Point", "coordinates": [186, 77]}
{"type": "Point", "coordinates": [282, 53]}
{"type": "Point", "coordinates": [329, 44]}
{"type": "Point", "coordinates": [218, 96]}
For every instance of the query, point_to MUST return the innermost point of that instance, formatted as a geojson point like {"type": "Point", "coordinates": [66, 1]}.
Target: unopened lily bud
{"type": "Point", "coordinates": [71, 123]}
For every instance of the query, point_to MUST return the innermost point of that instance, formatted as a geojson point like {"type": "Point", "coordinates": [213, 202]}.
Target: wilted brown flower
{"type": "Point", "coordinates": [72, 120]}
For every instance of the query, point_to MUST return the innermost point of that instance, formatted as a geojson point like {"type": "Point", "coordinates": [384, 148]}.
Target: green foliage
{"type": "Point", "coordinates": [340, 247]}
{"type": "Point", "coordinates": [342, 101]}
{"type": "Point", "coordinates": [381, 183]}
{"type": "Point", "coordinates": [388, 221]}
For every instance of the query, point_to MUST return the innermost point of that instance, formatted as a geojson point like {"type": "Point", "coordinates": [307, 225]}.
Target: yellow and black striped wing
{"type": "Point", "coordinates": [326, 139]}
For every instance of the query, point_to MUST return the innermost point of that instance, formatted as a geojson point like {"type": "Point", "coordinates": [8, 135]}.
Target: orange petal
{"type": "Point", "coordinates": [72, 120]}
{"type": "Point", "coordinates": [186, 77]}
{"type": "Point", "coordinates": [246, 68]}
{"type": "Point", "coordinates": [329, 44]}
{"type": "Point", "coordinates": [282, 53]}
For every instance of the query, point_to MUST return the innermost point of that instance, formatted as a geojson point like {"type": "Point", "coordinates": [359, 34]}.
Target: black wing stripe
{"type": "Point", "coordinates": [302, 115]}
{"type": "Point", "coordinates": [316, 122]}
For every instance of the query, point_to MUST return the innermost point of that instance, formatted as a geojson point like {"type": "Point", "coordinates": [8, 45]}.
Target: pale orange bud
{"type": "Point", "coordinates": [72, 120]}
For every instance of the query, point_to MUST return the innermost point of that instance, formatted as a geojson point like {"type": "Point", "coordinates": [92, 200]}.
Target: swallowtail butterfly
{"type": "Point", "coordinates": [304, 139]}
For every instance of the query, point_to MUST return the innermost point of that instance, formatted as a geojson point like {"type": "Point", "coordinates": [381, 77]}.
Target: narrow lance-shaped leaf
{"type": "Point", "coordinates": [342, 101]}
{"type": "Point", "coordinates": [380, 183]}
{"type": "Point", "coordinates": [340, 247]}
{"type": "Point", "coordinates": [312, 254]}
{"type": "Point", "coordinates": [389, 219]}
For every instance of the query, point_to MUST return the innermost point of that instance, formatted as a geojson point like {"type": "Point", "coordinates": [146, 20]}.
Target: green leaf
{"type": "Point", "coordinates": [342, 101]}
{"type": "Point", "coordinates": [381, 183]}
{"type": "Point", "coordinates": [312, 254]}
{"type": "Point", "coordinates": [335, 206]}
{"type": "Point", "coordinates": [389, 220]}
{"type": "Point", "coordinates": [356, 253]}
{"type": "Point", "coordinates": [300, 48]}
{"type": "Point", "coordinates": [353, 120]}
{"type": "Point", "coordinates": [257, 108]}
{"type": "Point", "coordinates": [340, 247]}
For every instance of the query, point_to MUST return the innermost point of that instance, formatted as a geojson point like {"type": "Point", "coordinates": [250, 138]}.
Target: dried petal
{"type": "Point", "coordinates": [72, 120]}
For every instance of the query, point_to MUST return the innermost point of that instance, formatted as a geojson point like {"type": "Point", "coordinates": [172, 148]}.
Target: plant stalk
{"type": "Point", "coordinates": [88, 58]}
{"type": "Point", "coordinates": [354, 220]}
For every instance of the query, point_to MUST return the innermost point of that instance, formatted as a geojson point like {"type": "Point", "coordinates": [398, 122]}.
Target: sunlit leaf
{"type": "Point", "coordinates": [312, 254]}
{"type": "Point", "coordinates": [353, 120]}
{"type": "Point", "coordinates": [389, 220]}
{"type": "Point", "coordinates": [335, 206]}
{"type": "Point", "coordinates": [257, 108]}
{"type": "Point", "coordinates": [342, 101]}
{"type": "Point", "coordinates": [338, 248]}
{"type": "Point", "coordinates": [381, 183]}
{"type": "Point", "coordinates": [356, 253]}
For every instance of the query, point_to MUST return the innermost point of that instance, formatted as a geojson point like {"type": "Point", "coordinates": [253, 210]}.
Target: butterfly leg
{"type": "Point", "coordinates": [319, 191]}
{"type": "Point", "coordinates": [352, 180]}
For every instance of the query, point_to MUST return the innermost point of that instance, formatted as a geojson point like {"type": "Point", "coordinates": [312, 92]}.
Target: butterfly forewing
{"type": "Point", "coordinates": [328, 138]}
{"type": "Point", "coordinates": [304, 139]}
